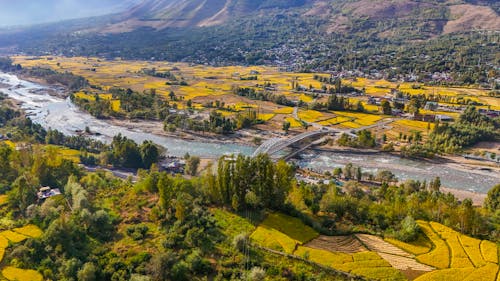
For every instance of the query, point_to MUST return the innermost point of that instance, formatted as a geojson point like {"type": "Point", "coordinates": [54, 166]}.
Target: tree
{"type": "Point", "coordinates": [149, 154]}
{"type": "Point", "coordinates": [386, 107]}
{"type": "Point", "coordinates": [286, 126]}
{"type": "Point", "coordinates": [409, 230]}
{"type": "Point", "coordinates": [435, 184]}
{"type": "Point", "coordinates": [192, 164]}
{"type": "Point", "coordinates": [87, 273]}
{"type": "Point", "coordinates": [492, 202]}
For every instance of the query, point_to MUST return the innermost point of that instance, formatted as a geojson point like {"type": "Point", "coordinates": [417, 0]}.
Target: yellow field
{"type": "Point", "coordinates": [273, 239]}
{"type": "Point", "coordinates": [293, 122]}
{"type": "Point", "coordinates": [29, 230]}
{"type": "Point", "coordinates": [209, 84]}
{"type": "Point", "coordinates": [439, 256]}
{"type": "Point", "coordinates": [16, 274]}
{"type": "Point", "coordinates": [310, 115]}
{"type": "Point", "coordinates": [418, 247]}
{"type": "Point", "coordinates": [12, 236]}
{"type": "Point", "coordinates": [284, 110]}
{"type": "Point", "coordinates": [266, 116]}
{"type": "Point", "coordinates": [292, 227]}
{"type": "Point", "coordinates": [471, 259]}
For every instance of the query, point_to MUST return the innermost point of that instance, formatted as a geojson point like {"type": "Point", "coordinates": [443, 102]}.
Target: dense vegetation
{"type": "Point", "coordinates": [471, 128]}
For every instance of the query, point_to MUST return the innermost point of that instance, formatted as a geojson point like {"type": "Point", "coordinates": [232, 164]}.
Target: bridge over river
{"type": "Point", "coordinates": [274, 145]}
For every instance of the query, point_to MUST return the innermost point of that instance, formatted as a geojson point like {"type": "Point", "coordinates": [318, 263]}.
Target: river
{"type": "Point", "coordinates": [57, 113]}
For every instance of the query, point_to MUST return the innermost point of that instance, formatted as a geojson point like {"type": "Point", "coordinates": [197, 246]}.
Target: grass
{"type": "Point", "coordinates": [419, 247]}
{"type": "Point", "coordinates": [293, 227]}
{"type": "Point", "coordinates": [12, 236]}
{"type": "Point", "coordinates": [29, 230]}
{"type": "Point", "coordinates": [17, 274]}
{"type": "Point", "coordinates": [439, 256]}
{"type": "Point", "coordinates": [230, 223]}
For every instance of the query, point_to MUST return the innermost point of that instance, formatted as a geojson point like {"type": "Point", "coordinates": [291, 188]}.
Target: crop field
{"type": "Point", "coordinates": [342, 244]}
{"type": "Point", "coordinates": [469, 258]}
{"type": "Point", "coordinates": [17, 274]}
{"type": "Point", "coordinates": [439, 254]}
{"type": "Point", "coordinates": [203, 84]}
{"type": "Point", "coordinates": [292, 227]}
{"type": "Point", "coordinates": [421, 246]}
{"type": "Point", "coordinates": [16, 235]}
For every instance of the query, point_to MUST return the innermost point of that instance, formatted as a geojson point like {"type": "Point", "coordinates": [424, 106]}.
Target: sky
{"type": "Point", "coordinates": [26, 12]}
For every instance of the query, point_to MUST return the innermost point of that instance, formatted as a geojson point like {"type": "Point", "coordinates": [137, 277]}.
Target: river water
{"type": "Point", "coordinates": [61, 114]}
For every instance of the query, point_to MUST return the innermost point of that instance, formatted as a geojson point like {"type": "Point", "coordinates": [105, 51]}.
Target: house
{"type": "Point", "coordinates": [47, 192]}
{"type": "Point", "coordinates": [444, 118]}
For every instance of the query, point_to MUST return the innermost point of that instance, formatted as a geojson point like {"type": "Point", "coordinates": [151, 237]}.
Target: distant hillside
{"type": "Point", "coordinates": [387, 18]}
{"type": "Point", "coordinates": [370, 36]}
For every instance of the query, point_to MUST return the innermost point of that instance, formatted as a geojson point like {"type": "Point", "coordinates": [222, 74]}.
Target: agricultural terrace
{"type": "Point", "coordinates": [457, 256]}
{"type": "Point", "coordinates": [439, 253]}
{"type": "Point", "coordinates": [14, 236]}
{"type": "Point", "coordinates": [204, 86]}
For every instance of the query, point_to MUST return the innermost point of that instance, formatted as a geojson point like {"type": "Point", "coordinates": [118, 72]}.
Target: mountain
{"type": "Point", "coordinates": [370, 36]}
{"type": "Point", "coordinates": [388, 18]}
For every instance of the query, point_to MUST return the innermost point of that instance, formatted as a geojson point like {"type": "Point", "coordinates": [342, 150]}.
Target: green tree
{"type": "Point", "coordinates": [492, 202]}
{"type": "Point", "coordinates": [286, 126]}
{"type": "Point", "coordinates": [87, 273]}
{"type": "Point", "coordinates": [386, 107]}
{"type": "Point", "coordinates": [192, 164]}
{"type": "Point", "coordinates": [149, 153]}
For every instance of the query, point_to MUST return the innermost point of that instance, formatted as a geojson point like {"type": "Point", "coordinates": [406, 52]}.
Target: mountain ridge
{"type": "Point", "coordinates": [437, 17]}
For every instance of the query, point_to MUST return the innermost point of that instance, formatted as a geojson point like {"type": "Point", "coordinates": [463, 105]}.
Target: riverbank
{"type": "Point", "coordinates": [477, 198]}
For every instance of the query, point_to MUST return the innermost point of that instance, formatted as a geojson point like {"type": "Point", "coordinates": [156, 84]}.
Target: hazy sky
{"type": "Point", "coordinates": [24, 12]}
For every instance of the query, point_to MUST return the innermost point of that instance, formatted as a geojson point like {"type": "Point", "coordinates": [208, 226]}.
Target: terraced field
{"type": "Point", "coordinates": [344, 244]}
{"type": "Point", "coordinates": [439, 254]}
{"type": "Point", "coordinates": [466, 258]}
{"type": "Point", "coordinates": [14, 236]}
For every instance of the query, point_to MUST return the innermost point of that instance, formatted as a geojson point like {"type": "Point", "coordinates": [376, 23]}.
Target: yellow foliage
{"type": "Point", "coordinates": [17, 274]}
{"type": "Point", "coordinates": [29, 230]}
{"type": "Point", "coordinates": [364, 256]}
{"type": "Point", "coordinates": [115, 105]}
{"type": "Point", "coordinates": [415, 124]}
